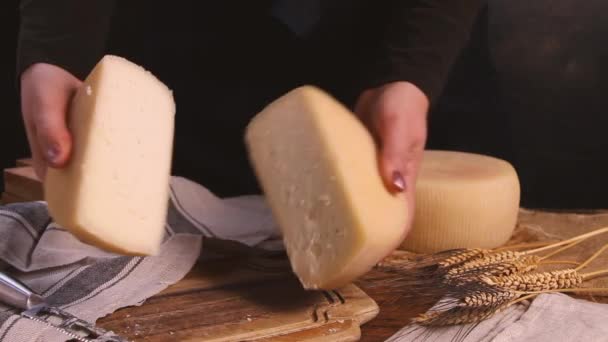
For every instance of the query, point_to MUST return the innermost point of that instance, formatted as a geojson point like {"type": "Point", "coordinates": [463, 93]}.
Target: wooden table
{"type": "Point", "coordinates": [394, 314]}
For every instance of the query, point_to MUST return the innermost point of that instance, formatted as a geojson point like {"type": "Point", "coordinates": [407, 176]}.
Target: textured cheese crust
{"type": "Point", "coordinates": [317, 165]}
{"type": "Point", "coordinates": [114, 192]}
{"type": "Point", "coordinates": [463, 200]}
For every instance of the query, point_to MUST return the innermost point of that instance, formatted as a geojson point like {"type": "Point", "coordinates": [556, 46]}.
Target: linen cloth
{"type": "Point", "coordinates": [91, 283]}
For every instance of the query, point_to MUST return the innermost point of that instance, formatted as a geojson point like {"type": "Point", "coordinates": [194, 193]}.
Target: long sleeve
{"type": "Point", "coordinates": [419, 42]}
{"type": "Point", "coordinates": [67, 33]}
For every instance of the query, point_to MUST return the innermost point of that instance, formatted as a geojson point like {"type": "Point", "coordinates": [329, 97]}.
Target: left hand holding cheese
{"type": "Point", "coordinates": [46, 92]}
{"type": "Point", "coordinates": [396, 115]}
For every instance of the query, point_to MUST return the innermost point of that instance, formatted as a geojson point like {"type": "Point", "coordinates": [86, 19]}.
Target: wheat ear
{"type": "Point", "coordinates": [506, 262]}
{"type": "Point", "coordinates": [489, 267]}
{"type": "Point", "coordinates": [476, 312]}
{"type": "Point", "coordinates": [463, 256]}
{"type": "Point", "coordinates": [554, 280]}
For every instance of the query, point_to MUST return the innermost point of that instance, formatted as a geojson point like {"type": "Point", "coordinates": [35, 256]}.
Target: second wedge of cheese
{"type": "Point", "coordinates": [318, 167]}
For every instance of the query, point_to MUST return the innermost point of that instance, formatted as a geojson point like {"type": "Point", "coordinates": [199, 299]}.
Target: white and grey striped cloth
{"type": "Point", "coordinates": [91, 283]}
{"type": "Point", "coordinates": [549, 318]}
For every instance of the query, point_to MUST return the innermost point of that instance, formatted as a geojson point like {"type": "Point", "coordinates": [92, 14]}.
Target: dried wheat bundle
{"type": "Point", "coordinates": [449, 273]}
{"type": "Point", "coordinates": [466, 286]}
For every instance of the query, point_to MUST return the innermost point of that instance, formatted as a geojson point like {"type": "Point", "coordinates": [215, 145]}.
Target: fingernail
{"type": "Point", "coordinates": [52, 153]}
{"type": "Point", "coordinates": [398, 181]}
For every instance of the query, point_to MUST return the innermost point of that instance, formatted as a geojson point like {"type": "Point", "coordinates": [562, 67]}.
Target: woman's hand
{"type": "Point", "coordinates": [396, 114]}
{"type": "Point", "coordinates": [46, 92]}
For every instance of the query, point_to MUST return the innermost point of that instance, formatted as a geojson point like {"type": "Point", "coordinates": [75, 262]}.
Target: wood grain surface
{"type": "Point", "coordinates": [253, 309]}
{"type": "Point", "coordinates": [21, 182]}
{"type": "Point", "coordinates": [221, 300]}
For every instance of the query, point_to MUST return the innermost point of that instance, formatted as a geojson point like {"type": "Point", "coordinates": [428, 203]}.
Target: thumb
{"type": "Point", "coordinates": [402, 146]}
{"type": "Point", "coordinates": [53, 137]}
{"type": "Point", "coordinates": [395, 153]}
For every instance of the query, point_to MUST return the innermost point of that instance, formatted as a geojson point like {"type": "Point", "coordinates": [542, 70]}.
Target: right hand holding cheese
{"type": "Point", "coordinates": [396, 114]}
{"type": "Point", "coordinates": [46, 91]}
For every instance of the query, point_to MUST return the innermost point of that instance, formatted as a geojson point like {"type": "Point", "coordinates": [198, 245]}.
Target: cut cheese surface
{"type": "Point", "coordinates": [317, 165]}
{"type": "Point", "coordinates": [463, 200]}
{"type": "Point", "coordinates": [114, 192]}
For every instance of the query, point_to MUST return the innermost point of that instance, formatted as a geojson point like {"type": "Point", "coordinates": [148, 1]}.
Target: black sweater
{"type": "Point", "coordinates": [413, 40]}
{"type": "Point", "coordinates": [220, 80]}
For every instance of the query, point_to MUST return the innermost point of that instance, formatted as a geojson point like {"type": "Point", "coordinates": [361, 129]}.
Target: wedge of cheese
{"type": "Point", "coordinates": [463, 200]}
{"type": "Point", "coordinates": [317, 165]}
{"type": "Point", "coordinates": [114, 192]}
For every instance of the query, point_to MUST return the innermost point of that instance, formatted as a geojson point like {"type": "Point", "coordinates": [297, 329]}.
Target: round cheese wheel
{"type": "Point", "coordinates": [463, 200]}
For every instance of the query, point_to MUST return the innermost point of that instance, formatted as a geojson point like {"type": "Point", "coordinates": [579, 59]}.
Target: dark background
{"type": "Point", "coordinates": [12, 139]}
{"type": "Point", "coordinates": [530, 88]}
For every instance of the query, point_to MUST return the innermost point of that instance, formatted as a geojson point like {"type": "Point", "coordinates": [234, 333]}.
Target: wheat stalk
{"type": "Point", "coordinates": [578, 238]}
{"type": "Point", "coordinates": [593, 257]}
{"type": "Point", "coordinates": [554, 280]}
{"type": "Point", "coordinates": [463, 256]}
{"type": "Point", "coordinates": [482, 299]}
{"type": "Point", "coordinates": [490, 266]}
{"type": "Point", "coordinates": [476, 308]}
{"type": "Point", "coordinates": [506, 288]}
{"type": "Point", "coordinates": [474, 284]}
{"type": "Point", "coordinates": [479, 283]}
{"type": "Point", "coordinates": [458, 315]}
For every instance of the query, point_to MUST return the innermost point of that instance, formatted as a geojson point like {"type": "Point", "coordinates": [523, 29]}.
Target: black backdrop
{"type": "Point", "coordinates": [531, 88]}
{"type": "Point", "coordinates": [12, 140]}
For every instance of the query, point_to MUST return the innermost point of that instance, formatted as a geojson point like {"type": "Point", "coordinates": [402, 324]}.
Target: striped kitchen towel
{"type": "Point", "coordinates": [91, 283]}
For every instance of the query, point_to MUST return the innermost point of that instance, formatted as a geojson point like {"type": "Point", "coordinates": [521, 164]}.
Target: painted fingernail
{"type": "Point", "coordinates": [398, 181]}
{"type": "Point", "coordinates": [52, 153]}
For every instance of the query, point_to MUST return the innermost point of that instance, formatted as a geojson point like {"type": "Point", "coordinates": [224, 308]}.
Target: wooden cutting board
{"type": "Point", "coordinates": [235, 299]}
{"type": "Point", "coordinates": [253, 309]}
{"type": "Point", "coordinates": [21, 183]}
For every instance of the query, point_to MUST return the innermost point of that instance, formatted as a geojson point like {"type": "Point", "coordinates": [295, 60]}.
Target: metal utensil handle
{"type": "Point", "coordinates": [78, 329]}
{"type": "Point", "coordinates": [17, 294]}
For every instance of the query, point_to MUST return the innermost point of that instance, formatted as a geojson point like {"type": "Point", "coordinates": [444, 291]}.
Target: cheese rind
{"type": "Point", "coordinates": [463, 200]}
{"type": "Point", "coordinates": [114, 192]}
{"type": "Point", "coordinates": [317, 165]}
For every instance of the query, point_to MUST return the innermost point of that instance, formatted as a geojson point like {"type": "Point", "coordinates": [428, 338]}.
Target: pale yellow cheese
{"type": "Point", "coordinates": [114, 191]}
{"type": "Point", "coordinates": [318, 167]}
{"type": "Point", "coordinates": [463, 200]}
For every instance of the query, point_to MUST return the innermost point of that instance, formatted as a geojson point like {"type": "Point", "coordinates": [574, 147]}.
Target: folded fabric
{"type": "Point", "coordinates": [91, 283]}
{"type": "Point", "coordinates": [550, 317]}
